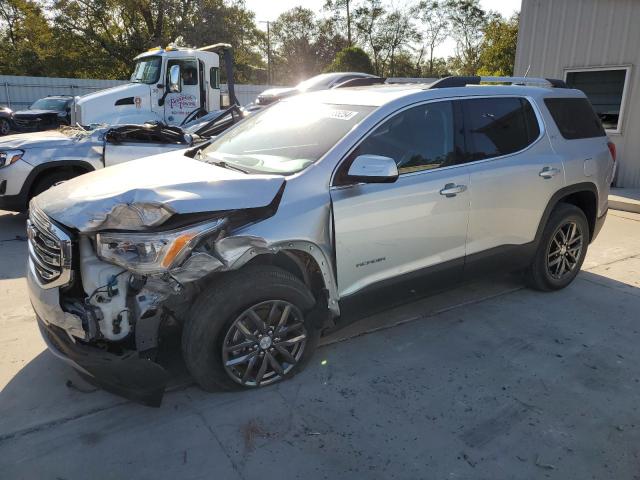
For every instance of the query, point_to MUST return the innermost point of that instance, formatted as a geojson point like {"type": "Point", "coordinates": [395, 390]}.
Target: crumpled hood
{"type": "Point", "coordinates": [46, 139]}
{"type": "Point", "coordinates": [178, 183]}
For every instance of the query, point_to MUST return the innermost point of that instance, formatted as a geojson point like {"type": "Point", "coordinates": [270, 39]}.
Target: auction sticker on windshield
{"type": "Point", "coordinates": [341, 114]}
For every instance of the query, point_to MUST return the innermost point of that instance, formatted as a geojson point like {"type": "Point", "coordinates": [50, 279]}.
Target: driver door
{"type": "Point", "coordinates": [399, 233]}
{"type": "Point", "coordinates": [177, 106]}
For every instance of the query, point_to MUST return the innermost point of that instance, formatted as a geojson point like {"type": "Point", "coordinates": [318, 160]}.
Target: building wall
{"type": "Point", "coordinates": [556, 35]}
{"type": "Point", "coordinates": [18, 92]}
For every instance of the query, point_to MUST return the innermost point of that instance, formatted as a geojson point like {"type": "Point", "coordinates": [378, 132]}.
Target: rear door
{"type": "Point", "coordinates": [513, 173]}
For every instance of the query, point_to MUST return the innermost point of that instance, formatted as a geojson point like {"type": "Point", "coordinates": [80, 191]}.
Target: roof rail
{"type": "Point", "coordinates": [450, 82]}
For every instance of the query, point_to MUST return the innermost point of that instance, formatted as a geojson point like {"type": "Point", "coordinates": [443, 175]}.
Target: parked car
{"type": "Point", "coordinates": [44, 114]}
{"type": "Point", "coordinates": [323, 81]}
{"type": "Point", "coordinates": [6, 120]}
{"type": "Point", "coordinates": [30, 163]}
{"type": "Point", "coordinates": [308, 214]}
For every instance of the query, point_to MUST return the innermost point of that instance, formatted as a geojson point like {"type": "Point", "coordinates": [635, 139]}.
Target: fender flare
{"type": "Point", "coordinates": [558, 196]}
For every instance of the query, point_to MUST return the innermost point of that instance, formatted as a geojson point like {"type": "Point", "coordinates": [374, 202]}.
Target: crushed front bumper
{"type": "Point", "coordinates": [127, 375]}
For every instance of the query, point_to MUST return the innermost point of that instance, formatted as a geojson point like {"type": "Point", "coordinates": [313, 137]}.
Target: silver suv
{"type": "Point", "coordinates": [317, 210]}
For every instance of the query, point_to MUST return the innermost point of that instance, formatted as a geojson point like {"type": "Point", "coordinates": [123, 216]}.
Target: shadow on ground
{"type": "Point", "coordinates": [519, 385]}
{"type": "Point", "coordinates": [13, 242]}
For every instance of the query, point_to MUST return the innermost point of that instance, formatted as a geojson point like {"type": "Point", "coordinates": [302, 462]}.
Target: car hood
{"type": "Point", "coordinates": [35, 113]}
{"type": "Point", "coordinates": [170, 181]}
{"type": "Point", "coordinates": [46, 139]}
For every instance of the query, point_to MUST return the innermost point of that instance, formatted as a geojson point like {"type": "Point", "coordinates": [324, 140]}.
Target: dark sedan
{"type": "Point", "coordinates": [46, 113]}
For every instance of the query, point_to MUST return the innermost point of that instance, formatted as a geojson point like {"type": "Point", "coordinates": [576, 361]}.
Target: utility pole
{"type": "Point", "coordinates": [268, 50]}
{"type": "Point", "coordinates": [349, 25]}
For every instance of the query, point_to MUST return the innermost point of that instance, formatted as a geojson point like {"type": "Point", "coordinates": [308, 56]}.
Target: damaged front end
{"type": "Point", "coordinates": [103, 295]}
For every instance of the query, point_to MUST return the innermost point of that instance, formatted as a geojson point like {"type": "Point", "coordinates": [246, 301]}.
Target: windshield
{"type": "Point", "coordinates": [58, 104]}
{"type": "Point", "coordinates": [286, 137]}
{"type": "Point", "coordinates": [147, 70]}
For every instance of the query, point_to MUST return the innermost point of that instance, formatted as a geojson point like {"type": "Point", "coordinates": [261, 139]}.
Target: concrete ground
{"type": "Point", "coordinates": [490, 380]}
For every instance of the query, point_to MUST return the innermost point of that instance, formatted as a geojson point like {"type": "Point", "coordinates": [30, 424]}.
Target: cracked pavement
{"type": "Point", "coordinates": [489, 380]}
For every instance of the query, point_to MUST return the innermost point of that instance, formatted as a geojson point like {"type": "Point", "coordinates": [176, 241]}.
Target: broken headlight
{"type": "Point", "coordinates": [157, 252]}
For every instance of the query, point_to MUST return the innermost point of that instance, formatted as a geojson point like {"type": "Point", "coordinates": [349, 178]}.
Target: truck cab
{"type": "Point", "coordinates": [167, 85]}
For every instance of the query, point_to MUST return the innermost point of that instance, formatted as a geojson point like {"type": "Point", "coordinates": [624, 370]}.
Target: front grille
{"type": "Point", "coordinates": [49, 250]}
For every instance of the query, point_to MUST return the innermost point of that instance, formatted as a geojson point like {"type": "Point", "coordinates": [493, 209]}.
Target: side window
{"type": "Point", "coordinates": [498, 126]}
{"type": "Point", "coordinates": [575, 118]}
{"type": "Point", "coordinates": [420, 138]}
{"type": "Point", "coordinates": [188, 71]}
{"type": "Point", "coordinates": [214, 77]}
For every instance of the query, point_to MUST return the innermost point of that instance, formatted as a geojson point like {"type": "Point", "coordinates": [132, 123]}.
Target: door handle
{"type": "Point", "coordinates": [548, 172]}
{"type": "Point", "coordinates": [451, 190]}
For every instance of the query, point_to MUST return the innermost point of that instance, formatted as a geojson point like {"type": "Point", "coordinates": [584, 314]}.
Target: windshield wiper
{"type": "Point", "coordinates": [229, 166]}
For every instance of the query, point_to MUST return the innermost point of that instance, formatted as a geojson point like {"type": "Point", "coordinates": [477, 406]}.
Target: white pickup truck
{"type": "Point", "coordinates": [168, 85]}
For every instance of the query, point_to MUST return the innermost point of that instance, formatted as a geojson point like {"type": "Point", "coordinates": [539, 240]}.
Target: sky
{"type": "Point", "coordinates": [270, 9]}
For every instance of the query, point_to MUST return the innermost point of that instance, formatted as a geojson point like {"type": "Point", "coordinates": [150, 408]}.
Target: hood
{"type": "Point", "coordinates": [100, 106]}
{"type": "Point", "coordinates": [169, 181]}
{"type": "Point", "coordinates": [46, 139]}
{"type": "Point", "coordinates": [117, 92]}
{"type": "Point", "coordinates": [35, 113]}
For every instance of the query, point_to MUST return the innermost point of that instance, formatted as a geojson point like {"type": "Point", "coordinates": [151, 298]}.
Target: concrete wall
{"type": "Point", "coordinates": [557, 35]}
{"type": "Point", "coordinates": [19, 92]}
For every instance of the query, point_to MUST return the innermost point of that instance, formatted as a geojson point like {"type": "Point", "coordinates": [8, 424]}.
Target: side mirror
{"type": "Point", "coordinates": [373, 169]}
{"type": "Point", "coordinates": [174, 79]}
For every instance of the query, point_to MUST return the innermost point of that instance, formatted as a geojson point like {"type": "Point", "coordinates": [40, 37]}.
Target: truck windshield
{"type": "Point", "coordinates": [147, 70]}
{"type": "Point", "coordinates": [286, 137]}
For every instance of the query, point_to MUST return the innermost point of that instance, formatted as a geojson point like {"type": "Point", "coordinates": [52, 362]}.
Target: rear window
{"type": "Point", "coordinates": [575, 118]}
{"type": "Point", "coordinates": [498, 126]}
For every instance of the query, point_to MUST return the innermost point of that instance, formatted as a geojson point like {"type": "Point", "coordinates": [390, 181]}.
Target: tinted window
{"type": "Point", "coordinates": [498, 126]}
{"type": "Point", "coordinates": [604, 88]}
{"type": "Point", "coordinates": [575, 118]}
{"type": "Point", "coordinates": [419, 138]}
{"type": "Point", "coordinates": [214, 77]}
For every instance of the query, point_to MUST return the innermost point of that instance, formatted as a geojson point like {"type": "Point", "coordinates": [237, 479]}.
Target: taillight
{"type": "Point", "coordinates": [612, 150]}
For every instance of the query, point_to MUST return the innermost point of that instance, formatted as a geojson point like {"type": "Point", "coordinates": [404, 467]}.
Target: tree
{"type": "Point", "coordinates": [351, 59]}
{"type": "Point", "coordinates": [498, 48]}
{"type": "Point", "coordinates": [303, 46]}
{"type": "Point", "coordinates": [338, 6]}
{"type": "Point", "coordinates": [434, 29]}
{"type": "Point", "coordinates": [467, 20]}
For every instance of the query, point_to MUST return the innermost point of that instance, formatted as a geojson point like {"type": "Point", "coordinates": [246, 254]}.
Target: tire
{"type": "Point", "coordinates": [4, 126]}
{"type": "Point", "coordinates": [48, 181]}
{"type": "Point", "coordinates": [213, 325]}
{"type": "Point", "coordinates": [549, 271]}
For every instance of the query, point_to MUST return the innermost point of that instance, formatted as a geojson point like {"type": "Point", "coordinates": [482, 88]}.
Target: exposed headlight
{"type": "Point", "coordinates": [8, 157]}
{"type": "Point", "coordinates": [157, 252]}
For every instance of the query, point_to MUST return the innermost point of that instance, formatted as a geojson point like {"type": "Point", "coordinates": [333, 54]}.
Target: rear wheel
{"type": "Point", "coordinates": [562, 249]}
{"type": "Point", "coordinates": [252, 330]}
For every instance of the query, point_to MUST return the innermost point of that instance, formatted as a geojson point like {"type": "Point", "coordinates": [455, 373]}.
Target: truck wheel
{"type": "Point", "coordinates": [4, 126]}
{"type": "Point", "coordinates": [561, 251]}
{"type": "Point", "coordinates": [49, 180]}
{"type": "Point", "coordinates": [252, 329]}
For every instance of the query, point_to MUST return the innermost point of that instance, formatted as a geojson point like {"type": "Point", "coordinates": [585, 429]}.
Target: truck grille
{"type": "Point", "coordinates": [49, 250]}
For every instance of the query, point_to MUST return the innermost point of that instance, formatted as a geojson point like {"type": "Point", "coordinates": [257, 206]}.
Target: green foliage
{"type": "Point", "coordinates": [351, 59]}
{"type": "Point", "coordinates": [498, 51]}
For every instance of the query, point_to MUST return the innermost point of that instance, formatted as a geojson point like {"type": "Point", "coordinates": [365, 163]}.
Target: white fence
{"type": "Point", "coordinates": [19, 92]}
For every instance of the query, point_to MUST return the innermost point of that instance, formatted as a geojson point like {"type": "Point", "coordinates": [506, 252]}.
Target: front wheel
{"type": "Point", "coordinates": [4, 126]}
{"type": "Point", "coordinates": [252, 329]}
{"type": "Point", "coordinates": [562, 249]}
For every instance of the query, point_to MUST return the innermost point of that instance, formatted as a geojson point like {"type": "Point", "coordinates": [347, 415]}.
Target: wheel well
{"type": "Point", "coordinates": [298, 263]}
{"type": "Point", "coordinates": [74, 170]}
{"type": "Point", "coordinates": [587, 202]}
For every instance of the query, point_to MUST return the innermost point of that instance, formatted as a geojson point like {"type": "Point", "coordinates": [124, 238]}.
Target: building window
{"type": "Point", "coordinates": [606, 89]}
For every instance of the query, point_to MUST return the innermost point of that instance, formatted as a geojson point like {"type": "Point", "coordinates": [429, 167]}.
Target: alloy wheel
{"type": "Point", "coordinates": [564, 250]}
{"type": "Point", "coordinates": [264, 343]}
{"type": "Point", "coordinates": [4, 127]}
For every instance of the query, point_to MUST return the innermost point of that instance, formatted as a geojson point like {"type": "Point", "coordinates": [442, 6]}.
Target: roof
{"type": "Point", "coordinates": [378, 95]}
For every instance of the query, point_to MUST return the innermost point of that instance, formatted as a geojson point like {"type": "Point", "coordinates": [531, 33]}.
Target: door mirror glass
{"type": "Point", "coordinates": [174, 79]}
{"type": "Point", "coordinates": [373, 169]}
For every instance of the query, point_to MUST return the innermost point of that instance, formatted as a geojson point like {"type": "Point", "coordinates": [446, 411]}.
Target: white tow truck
{"type": "Point", "coordinates": [168, 85]}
